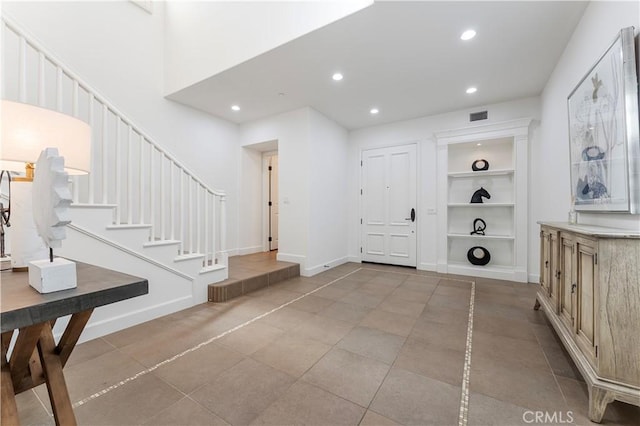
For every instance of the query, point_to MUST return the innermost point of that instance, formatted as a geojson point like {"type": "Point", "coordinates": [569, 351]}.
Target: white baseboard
{"type": "Point", "coordinates": [116, 323]}
{"type": "Point", "coordinates": [424, 266]}
{"type": "Point", "coordinates": [309, 272]}
{"type": "Point", "coordinates": [520, 275]}
{"type": "Point", "coordinates": [442, 268]}
{"type": "Point", "coordinates": [248, 250]}
{"type": "Point", "coordinates": [230, 252]}
{"type": "Point", "coordinates": [354, 259]}
{"type": "Point", "coordinates": [534, 278]}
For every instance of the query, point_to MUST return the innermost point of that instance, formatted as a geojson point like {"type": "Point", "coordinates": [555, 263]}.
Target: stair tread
{"type": "Point", "coordinates": [188, 256]}
{"type": "Point", "coordinates": [128, 226]}
{"type": "Point", "coordinates": [211, 268]}
{"type": "Point", "coordinates": [157, 243]}
{"type": "Point", "coordinates": [97, 206]}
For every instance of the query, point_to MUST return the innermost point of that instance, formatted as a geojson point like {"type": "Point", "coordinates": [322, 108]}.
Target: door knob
{"type": "Point", "coordinates": [413, 216]}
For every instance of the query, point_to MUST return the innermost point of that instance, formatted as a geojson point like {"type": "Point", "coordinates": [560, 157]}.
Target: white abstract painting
{"type": "Point", "coordinates": [599, 173]}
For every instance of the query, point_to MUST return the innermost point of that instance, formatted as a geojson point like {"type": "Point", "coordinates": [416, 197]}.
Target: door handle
{"type": "Point", "coordinates": [413, 216]}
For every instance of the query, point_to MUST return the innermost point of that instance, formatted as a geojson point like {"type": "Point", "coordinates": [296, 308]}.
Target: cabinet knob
{"type": "Point", "coordinates": [573, 287]}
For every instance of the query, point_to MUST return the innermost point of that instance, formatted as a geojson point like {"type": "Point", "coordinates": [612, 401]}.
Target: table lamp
{"type": "Point", "coordinates": [26, 131]}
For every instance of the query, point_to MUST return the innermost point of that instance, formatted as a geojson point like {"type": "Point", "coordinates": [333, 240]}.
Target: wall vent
{"type": "Point", "coordinates": [475, 116]}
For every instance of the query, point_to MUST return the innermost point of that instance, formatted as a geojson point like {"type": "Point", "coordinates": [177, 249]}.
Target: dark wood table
{"type": "Point", "coordinates": [36, 358]}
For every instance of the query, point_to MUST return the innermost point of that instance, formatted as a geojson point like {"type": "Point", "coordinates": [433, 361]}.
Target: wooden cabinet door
{"type": "Point", "coordinates": [554, 270]}
{"type": "Point", "coordinates": [566, 281]}
{"type": "Point", "coordinates": [587, 298]}
{"type": "Point", "coordinates": [545, 274]}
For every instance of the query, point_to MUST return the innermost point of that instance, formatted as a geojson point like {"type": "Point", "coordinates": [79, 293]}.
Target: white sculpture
{"type": "Point", "coordinates": [51, 200]}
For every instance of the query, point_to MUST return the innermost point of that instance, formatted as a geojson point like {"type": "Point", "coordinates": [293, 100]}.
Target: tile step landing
{"type": "Point", "coordinates": [252, 281]}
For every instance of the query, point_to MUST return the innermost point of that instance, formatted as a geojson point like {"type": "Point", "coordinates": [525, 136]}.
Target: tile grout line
{"type": "Point", "coordinates": [202, 344]}
{"type": "Point", "coordinates": [412, 274]}
{"type": "Point", "coordinates": [368, 407]}
{"type": "Point", "coordinates": [464, 397]}
{"type": "Point", "coordinates": [46, 410]}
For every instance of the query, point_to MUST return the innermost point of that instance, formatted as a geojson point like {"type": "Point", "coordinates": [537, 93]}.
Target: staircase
{"type": "Point", "coordinates": [140, 211]}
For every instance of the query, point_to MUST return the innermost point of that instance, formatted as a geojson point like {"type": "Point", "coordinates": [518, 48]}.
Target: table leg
{"type": "Point", "coordinates": [21, 355]}
{"type": "Point", "coordinates": [56, 385]}
{"type": "Point", "coordinates": [9, 410]}
{"type": "Point", "coordinates": [72, 333]}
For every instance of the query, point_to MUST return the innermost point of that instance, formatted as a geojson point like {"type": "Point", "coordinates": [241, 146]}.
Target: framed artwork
{"type": "Point", "coordinates": [603, 132]}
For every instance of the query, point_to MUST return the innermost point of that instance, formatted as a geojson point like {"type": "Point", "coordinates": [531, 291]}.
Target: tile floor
{"type": "Point", "coordinates": [379, 345]}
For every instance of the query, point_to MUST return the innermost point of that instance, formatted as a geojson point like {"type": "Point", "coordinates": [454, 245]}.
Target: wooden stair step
{"type": "Point", "coordinates": [249, 281]}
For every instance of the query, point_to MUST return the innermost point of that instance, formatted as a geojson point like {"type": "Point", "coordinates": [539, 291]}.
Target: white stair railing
{"type": "Point", "coordinates": [147, 184]}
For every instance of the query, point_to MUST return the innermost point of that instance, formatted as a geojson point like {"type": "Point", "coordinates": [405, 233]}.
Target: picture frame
{"type": "Point", "coordinates": [604, 132]}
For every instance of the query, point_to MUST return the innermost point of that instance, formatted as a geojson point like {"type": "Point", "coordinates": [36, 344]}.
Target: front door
{"type": "Point", "coordinates": [388, 205]}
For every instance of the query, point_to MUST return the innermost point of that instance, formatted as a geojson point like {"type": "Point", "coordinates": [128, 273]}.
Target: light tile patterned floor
{"type": "Point", "coordinates": [383, 345]}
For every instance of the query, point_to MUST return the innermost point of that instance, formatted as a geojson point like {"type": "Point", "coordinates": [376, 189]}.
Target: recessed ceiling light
{"type": "Point", "coordinates": [374, 111]}
{"type": "Point", "coordinates": [235, 107]}
{"type": "Point", "coordinates": [471, 90]}
{"type": "Point", "coordinates": [468, 35]}
{"type": "Point", "coordinates": [479, 144]}
{"type": "Point", "coordinates": [337, 76]}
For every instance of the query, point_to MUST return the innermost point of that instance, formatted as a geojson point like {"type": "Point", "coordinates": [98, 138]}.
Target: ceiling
{"type": "Point", "coordinates": [404, 58]}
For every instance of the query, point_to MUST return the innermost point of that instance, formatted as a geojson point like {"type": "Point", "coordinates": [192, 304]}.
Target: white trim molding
{"type": "Point", "coordinates": [309, 272]}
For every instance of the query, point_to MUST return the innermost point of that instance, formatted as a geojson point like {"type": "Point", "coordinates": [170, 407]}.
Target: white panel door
{"type": "Point", "coordinates": [273, 203]}
{"type": "Point", "coordinates": [388, 205]}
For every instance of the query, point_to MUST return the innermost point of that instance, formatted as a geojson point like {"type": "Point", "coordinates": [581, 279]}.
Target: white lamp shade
{"type": "Point", "coordinates": [28, 129]}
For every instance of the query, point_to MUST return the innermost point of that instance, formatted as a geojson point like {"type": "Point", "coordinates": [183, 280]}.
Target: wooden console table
{"type": "Point", "coordinates": [590, 291]}
{"type": "Point", "coordinates": [36, 358]}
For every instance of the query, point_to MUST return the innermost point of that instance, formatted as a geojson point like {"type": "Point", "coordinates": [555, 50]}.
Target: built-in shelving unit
{"type": "Point", "coordinates": [482, 237]}
{"type": "Point", "coordinates": [481, 206]}
{"type": "Point", "coordinates": [482, 173]}
{"type": "Point", "coordinates": [504, 147]}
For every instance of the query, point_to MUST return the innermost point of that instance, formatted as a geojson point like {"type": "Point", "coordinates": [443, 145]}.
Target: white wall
{"type": "Point", "coordinates": [117, 48]}
{"type": "Point", "coordinates": [250, 208]}
{"type": "Point", "coordinates": [549, 184]}
{"type": "Point", "coordinates": [233, 32]}
{"type": "Point", "coordinates": [328, 202]}
{"type": "Point", "coordinates": [421, 131]}
{"type": "Point", "coordinates": [312, 161]}
{"type": "Point", "coordinates": [291, 130]}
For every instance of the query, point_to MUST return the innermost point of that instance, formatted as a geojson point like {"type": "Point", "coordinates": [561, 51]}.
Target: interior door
{"type": "Point", "coordinates": [273, 203]}
{"type": "Point", "coordinates": [389, 205]}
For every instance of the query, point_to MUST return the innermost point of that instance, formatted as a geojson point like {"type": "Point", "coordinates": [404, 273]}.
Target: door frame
{"type": "Point", "coordinates": [265, 199]}
{"type": "Point", "coordinates": [419, 214]}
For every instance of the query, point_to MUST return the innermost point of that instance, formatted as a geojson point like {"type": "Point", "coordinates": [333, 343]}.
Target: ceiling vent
{"type": "Point", "coordinates": [475, 116]}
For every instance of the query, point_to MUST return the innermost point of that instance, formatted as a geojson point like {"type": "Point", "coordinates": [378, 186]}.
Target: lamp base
{"type": "Point", "coordinates": [47, 277]}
